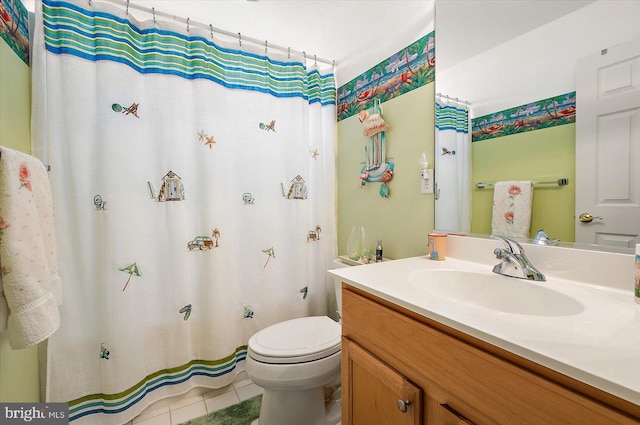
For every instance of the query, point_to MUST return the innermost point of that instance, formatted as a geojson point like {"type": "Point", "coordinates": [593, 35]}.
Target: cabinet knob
{"type": "Point", "coordinates": [403, 405]}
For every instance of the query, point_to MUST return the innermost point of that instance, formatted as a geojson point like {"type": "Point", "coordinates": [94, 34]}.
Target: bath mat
{"type": "Point", "coordinates": [242, 413]}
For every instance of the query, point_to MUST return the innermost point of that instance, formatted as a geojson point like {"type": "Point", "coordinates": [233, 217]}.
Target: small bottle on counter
{"type": "Point", "coordinates": [637, 285]}
{"type": "Point", "coordinates": [379, 251]}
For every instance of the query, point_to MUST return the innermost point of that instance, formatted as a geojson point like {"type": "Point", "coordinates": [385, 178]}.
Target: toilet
{"type": "Point", "coordinates": [297, 363]}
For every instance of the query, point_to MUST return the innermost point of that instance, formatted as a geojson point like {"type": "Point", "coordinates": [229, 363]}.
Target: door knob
{"type": "Point", "coordinates": [587, 218]}
{"type": "Point", "coordinates": [403, 405]}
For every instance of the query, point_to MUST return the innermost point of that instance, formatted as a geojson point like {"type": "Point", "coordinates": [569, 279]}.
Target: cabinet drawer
{"type": "Point", "coordinates": [483, 387]}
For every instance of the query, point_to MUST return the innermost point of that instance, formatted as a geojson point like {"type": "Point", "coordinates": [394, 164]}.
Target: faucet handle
{"type": "Point", "coordinates": [513, 246]}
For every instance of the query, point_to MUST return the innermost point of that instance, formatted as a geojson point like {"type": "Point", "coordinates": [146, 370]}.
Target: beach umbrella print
{"type": "Point", "coordinates": [270, 253]}
{"type": "Point", "coordinates": [132, 269]}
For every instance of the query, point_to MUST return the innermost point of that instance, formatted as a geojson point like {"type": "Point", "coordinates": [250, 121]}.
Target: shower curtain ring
{"type": "Point", "coordinates": [333, 65]}
{"type": "Point", "coordinates": [240, 39]}
{"type": "Point", "coordinates": [288, 52]}
{"type": "Point", "coordinates": [187, 24]}
{"type": "Point", "coordinates": [153, 12]}
{"type": "Point", "coordinates": [315, 60]}
{"type": "Point", "coordinates": [211, 28]}
{"type": "Point", "coordinates": [127, 11]}
{"type": "Point", "coordinates": [265, 47]}
{"type": "Point", "coordinates": [304, 55]}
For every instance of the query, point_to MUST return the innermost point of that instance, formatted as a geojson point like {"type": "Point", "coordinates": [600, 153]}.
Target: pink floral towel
{"type": "Point", "coordinates": [512, 209]}
{"type": "Point", "coordinates": [30, 289]}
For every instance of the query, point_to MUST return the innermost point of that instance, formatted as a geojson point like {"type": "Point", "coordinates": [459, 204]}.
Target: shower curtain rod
{"type": "Point", "coordinates": [241, 38]}
{"type": "Point", "coordinates": [453, 98]}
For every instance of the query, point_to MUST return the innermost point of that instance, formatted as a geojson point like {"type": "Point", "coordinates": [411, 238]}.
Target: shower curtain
{"type": "Point", "coordinates": [453, 166]}
{"type": "Point", "coordinates": [194, 196]}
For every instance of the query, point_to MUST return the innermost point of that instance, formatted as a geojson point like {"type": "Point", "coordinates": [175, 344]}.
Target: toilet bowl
{"type": "Point", "coordinates": [297, 363]}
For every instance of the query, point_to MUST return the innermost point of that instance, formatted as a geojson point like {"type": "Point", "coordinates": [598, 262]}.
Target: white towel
{"type": "Point", "coordinates": [30, 288]}
{"type": "Point", "coordinates": [512, 202]}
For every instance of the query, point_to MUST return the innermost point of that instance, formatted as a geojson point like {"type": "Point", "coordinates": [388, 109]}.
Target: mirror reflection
{"type": "Point", "coordinates": [531, 77]}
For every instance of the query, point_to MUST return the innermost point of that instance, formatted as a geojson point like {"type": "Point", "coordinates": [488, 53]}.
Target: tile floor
{"type": "Point", "coordinates": [197, 402]}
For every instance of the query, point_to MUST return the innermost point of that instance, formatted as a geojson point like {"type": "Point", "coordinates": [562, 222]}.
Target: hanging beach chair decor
{"type": "Point", "coordinates": [376, 168]}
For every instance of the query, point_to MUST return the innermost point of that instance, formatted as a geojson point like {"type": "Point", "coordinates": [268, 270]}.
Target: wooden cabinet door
{"type": "Point", "coordinates": [374, 393]}
{"type": "Point", "coordinates": [441, 414]}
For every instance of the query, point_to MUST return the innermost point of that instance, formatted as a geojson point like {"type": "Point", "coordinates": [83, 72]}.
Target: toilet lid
{"type": "Point", "coordinates": [296, 341]}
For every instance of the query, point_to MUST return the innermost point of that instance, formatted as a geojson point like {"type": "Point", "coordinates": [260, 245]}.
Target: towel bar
{"type": "Point", "coordinates": [560, 182]}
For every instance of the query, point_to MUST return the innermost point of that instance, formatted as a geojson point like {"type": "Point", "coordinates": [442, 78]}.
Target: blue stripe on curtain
{"type": "Point", "coordinates": [95, 35]}
{"type": "Point", "coordinates": [118, 403]}
{"type": "Point", "coordinates": [449, 117]}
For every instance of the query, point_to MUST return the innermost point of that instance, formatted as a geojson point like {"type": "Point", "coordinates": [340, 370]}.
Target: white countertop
{"type": "Point", "coordinates": [598, 344]}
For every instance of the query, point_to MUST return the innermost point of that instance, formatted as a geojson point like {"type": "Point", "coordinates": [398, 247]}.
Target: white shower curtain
{"type": "Point", "coordinates": [194, 198]}
{"type": "Point", "coordinates": [452, 166]}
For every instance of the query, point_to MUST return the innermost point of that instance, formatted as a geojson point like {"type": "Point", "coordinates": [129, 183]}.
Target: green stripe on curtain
{"type": "Point", "coordinates": [116, 403]}
{"type": "Point", "coordinates": [95, 35]}
{"type": "Point", "coordinates": [451, 118]}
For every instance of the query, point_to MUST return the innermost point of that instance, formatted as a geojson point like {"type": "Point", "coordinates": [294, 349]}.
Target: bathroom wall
{"type": "Point", "coordinates": [404, 219]}
{"type": "Point", "coordinates": [404, 85]}
{"type": "Point", "coordinates": [546, 154]}
{"type": "Point", "coordinates": [19, 379]}
{"type": "Point", "coordinates": [535, 141]}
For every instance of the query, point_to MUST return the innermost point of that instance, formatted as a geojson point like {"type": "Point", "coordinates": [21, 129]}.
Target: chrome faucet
{"type": "Point", "coordinates": [542, 239]}
{"type": "Point", "coordinates": [513, 261]}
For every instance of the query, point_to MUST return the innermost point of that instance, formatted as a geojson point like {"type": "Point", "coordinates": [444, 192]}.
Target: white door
{"type": "Point", "coordinates": [608, 146]}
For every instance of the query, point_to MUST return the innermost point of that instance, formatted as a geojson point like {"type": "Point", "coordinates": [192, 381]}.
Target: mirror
{"type": "Point", "coordinates": [514, 57]}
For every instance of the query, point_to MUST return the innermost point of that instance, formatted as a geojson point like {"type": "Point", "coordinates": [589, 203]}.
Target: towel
{"type": "Point", "coordinates": [512, 209]}
{"type": "Point", "coordinates": [30, 288]}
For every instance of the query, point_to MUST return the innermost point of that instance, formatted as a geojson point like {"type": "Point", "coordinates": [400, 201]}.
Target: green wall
{"type": "Point", "coordinates": [546, 154]}
{"type": "Point", "coordinates": [19, 381]}
{"type": "Point", "coordinates": [404, 219]}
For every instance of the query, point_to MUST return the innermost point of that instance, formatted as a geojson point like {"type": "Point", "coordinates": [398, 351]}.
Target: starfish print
{"type": "Point", "coordinates": [201, 136]}
{"type": "Point", "coordinates": [210, 142]}
{"type": "Point", "coordinates": [314, 153]}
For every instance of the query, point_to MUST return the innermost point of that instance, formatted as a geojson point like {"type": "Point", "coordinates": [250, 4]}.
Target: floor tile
{"type": "Point", "coordinates": [185, 400]}
{"type": "Point", "coordinates": [156, 409]}
{"type": "Point", "coordinates": [212, 393]}
{"type": "Point", "coordinates": [190, 411]}
{"type": "Point", "coordinates": [248, 391]}
{"type": "Point", "coordinates": [163, 419]}
{"type": "Point", "coordinates": [241, 380]}
{"type": "Point", "coordinates": [221, 401]}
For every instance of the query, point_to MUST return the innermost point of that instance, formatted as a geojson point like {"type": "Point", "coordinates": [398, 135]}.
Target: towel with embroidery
{"type": "Point", "coordinates": [30, 288]}
{"type": "Point", "coordinates": [512, 201]}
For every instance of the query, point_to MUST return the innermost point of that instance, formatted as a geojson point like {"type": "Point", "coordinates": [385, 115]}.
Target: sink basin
{"type": "Point", "coordinates": [495, 292]}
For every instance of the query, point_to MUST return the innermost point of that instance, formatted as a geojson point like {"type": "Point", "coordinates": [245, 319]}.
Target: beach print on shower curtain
{"type": "Point", "coordinates": [197, 248]}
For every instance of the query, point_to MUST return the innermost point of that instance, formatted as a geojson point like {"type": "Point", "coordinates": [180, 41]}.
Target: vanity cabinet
{"type": "Point", "coordinates": [383, 395]}
{"type": "Point", "coordinates": [394, 360]}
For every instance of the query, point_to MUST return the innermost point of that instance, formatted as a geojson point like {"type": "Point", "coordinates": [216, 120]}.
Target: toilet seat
{"type": "Point", "coordinates": [296, 341]}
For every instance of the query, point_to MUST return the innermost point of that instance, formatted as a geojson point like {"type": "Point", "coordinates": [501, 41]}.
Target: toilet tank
{"type": "Point", "coordinates": [334, 291]}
